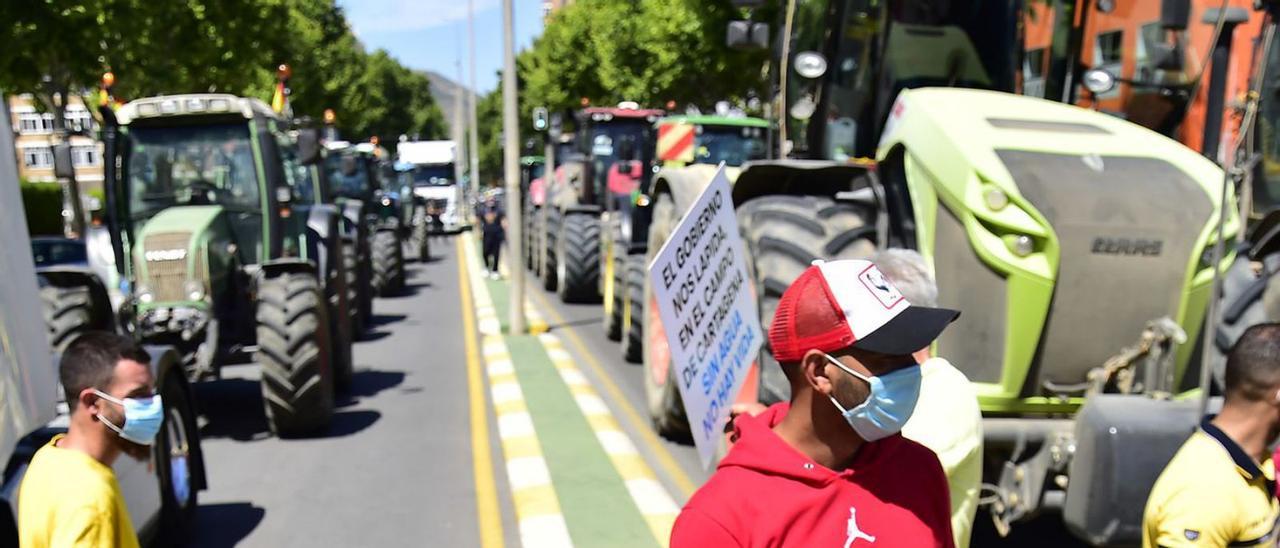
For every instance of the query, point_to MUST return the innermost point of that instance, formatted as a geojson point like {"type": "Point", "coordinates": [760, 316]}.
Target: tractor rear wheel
{"type": "Point", "coordinates": [295, 355]}
{"type": "Point", "coordinates": [578, 259]}
{"type": "Point", "coordinates": [615, 293]}
{"type": "Point", "coordinates": [550, 229]}
{"type": "Point", "coordinates": [340, 304]}
{"type": "Point", "coordinates": [68, 313]}
{"type": "Point", "coordinates": [783, 235]}
{"type": "Point", "coordinates": [633, 314]}
{"type": "Point", "coordinates": [666, 410]}
{"type": "Point", "coordinates": [355, 293]}
{"type": "Point", "coordinates": [388, 263]}
{"type": "Point", "coordinates": [419, 243]}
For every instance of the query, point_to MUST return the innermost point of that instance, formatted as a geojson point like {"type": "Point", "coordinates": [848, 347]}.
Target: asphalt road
{"type": "Point", "coordinates": [397, 466]}
{"type": "Point", "coordinates": [395, 469]}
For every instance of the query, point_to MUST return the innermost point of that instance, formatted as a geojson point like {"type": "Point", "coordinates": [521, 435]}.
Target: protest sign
{"type": "Point", "coordinates": [708, 310]}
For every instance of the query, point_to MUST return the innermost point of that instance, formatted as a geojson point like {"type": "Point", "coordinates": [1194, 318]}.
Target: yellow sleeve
{"type": "Point", "coordinates": [86, 527]}
{"type": "Point", "coordinates": [1189, 519]}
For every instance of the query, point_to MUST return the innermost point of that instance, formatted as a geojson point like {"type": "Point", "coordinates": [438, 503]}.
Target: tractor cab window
{"type": "Point", "coordinates": [607, 143]}
{"type": "Point", "coordinates": [732, 145]}
{"type": "Point", "coordinates": [355, 185]}
{"type": "Point", "coordinates": [850, 58]}
{"type": "Point", "coordinates": [298, 176]}
{"type": "Point", "coordinates": [191, 165]}
{"type": "Point", "coordinates": [1266, 180]}
{"type": "Point", "coordinates": [432, 175]}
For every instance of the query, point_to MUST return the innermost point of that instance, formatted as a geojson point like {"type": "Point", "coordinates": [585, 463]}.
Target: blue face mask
{"type": "Point", "coordinates": [142, 418]}
{"type": "Point", "coordinates": [891, 401]}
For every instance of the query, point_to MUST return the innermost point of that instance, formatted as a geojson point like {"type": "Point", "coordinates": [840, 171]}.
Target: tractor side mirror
{"type": "Point", "coordinates": [747, 35]}
{"type": "Point", "coordinates": [349, 166]}
{"type": "Point", "coordinates": [63, 167]}
{"type": "Point", "coordinates": [309, 146]}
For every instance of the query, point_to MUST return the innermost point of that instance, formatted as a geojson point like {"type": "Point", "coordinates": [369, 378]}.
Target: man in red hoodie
{"type": "Point", "coordinates": [830, 468]}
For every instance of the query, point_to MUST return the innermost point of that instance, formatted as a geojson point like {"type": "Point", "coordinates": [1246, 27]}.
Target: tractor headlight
{"type": "Point", "coordinates": [145, 296]}
{"type": "Point", "coordinates": [1021, 245]}
{"type": "Point", "coordinates": [810, 64]}
{"type": "Point", "coordinates": [194, 290]}
{"type": "Point", "coordinates": [995, 198]}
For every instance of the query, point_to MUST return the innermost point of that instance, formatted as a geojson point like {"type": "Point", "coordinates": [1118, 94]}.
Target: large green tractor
{"type": "Point", "coordinates": [1078, 246]}
{"type": "Point", "coordinates": [219, 262]}
{"type": "Point", "coordinates": [358, 180]}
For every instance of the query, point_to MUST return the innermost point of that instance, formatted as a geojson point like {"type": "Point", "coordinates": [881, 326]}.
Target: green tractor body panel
{"type": "Point", "coordinates": [178, 247]}
{"type": "Point", "coordinates": [1058, 231]}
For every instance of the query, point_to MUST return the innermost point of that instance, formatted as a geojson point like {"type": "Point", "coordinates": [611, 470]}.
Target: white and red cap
{"type": "Point", "coordinates": [838, 304]}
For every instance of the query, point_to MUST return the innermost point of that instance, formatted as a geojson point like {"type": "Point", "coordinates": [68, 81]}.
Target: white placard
{"type": "Point", "coordinates": [708, 311]}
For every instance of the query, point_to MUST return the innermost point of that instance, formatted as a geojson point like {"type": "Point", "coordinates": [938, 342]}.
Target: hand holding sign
{"type": "Point", "coordinates": [709, 309]}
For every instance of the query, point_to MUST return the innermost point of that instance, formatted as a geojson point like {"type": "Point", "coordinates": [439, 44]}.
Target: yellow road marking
{"type": "Point", "coordinates": [660, 452]}
{"type": "Point", "coordinates": [488, 517]}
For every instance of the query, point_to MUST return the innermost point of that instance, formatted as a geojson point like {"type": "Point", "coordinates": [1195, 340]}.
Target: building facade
{"type": "Point", "coordinates": [33, 131]}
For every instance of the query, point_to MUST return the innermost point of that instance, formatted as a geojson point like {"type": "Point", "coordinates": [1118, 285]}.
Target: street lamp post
{"type": "Point", "coordinates": [511, 171]}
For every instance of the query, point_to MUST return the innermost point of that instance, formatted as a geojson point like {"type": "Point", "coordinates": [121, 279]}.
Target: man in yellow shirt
{"type": "Point", "coordinates": [1219, 489]}
{"type": "Point", "coordinates": [69, 496]}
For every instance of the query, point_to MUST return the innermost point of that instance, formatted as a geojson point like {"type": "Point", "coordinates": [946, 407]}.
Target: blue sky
{"type": "Point", "coordinates": [432, 34]}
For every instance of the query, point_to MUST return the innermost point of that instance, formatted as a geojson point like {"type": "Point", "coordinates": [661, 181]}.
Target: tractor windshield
{"type": "Point", "coordinates": [611, 139]}
{"type": "Point", "coordinates": [732, 145]}
{"type": "Point", "coordinates": [355, 185]}
{"type": "Point", "coordinates": [191, 165]}
{"type": "Point", "coordinates": [1266, 185]}
{"type": "Point", "coordinates": [429, 175]}
{"type": "Point", "coordinates": [850, 58]}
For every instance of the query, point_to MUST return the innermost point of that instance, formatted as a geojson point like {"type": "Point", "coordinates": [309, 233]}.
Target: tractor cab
{"type": "Point", "coordinates": [615, 142]}
{"type": "Point", "coordinates": [686, 140]}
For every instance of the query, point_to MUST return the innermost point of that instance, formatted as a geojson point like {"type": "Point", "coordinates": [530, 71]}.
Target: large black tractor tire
{"type": "Point", "coordinates": [612, 317]}
{"type": "Point", "coordinates": [388, 263]}
{"type": "Point", "coordinates": [784, 234]}
{"type": "Point", "coordinates": [295, 354]}
{"type": "Point", "coordinates": [633, 299]}
{"type": "Point", "coordinates": [178, 457]}
{"type": "Point", "coordinates": [355, 292]}
{"type": "Point", "coordinates": [662, 397]}
{"type": "Point", "coordinates": [418, 247]}
{"type": "Point", "coordinates": [1249, 297]}
{"type": "Point", "coordinates": [550, 230]}
{"type": "Point", "coordinates": [578, 259]}
{"type": "Point", "coordinates": [68, 313]}
{"type": "Point", "coordinates": [340, 304]}
{"type": "Point", "coordinates": [364, 274]}
{"type": "Point", "coordinates": [527, 249]}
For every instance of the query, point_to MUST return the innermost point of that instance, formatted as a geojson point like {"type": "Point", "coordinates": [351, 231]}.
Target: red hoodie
{"type": "Point", "coordinates": [765, 493]}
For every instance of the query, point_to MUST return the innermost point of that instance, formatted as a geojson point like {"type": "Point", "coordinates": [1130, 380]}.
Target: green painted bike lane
{"type": "Point", "coordinates": [595, 502]}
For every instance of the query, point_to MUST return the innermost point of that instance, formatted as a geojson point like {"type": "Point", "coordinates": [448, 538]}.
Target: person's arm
{"type": "Point", "coordinates": [84, 527]}
{"type": "Point", "coordinates": [695, 529]}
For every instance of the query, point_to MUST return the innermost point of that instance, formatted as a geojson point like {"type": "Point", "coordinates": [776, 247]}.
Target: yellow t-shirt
{"type": "Point", "coordinates": [1212, 494]}
{"type": "Point", "coordinates": [947, 420]}
{"type": "Point", "coordinates": [69, 499]}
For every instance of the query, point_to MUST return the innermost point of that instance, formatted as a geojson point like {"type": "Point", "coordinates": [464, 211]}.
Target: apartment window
{"type": "Point", "coordinates": [1033, 69]}
{"type": "Point", "coordinates": [79, 120]}
{"type": "Point", "coordinates": [1108, 55]}
{"type": "Point", "coordinates": [34, 122]}
{"type": "Point", "coordinates": [84, 156]}
{"type": "Point", "coordinates": [37, 157]}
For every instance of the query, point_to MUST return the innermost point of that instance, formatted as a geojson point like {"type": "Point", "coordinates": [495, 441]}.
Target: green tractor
{"type": "Point", "coordinates": [362, 189]}
{"type": "Point", "coordinates": [686, 147]}
{"type": "Point", "coordinates": [218, 261]}
{"type": "Point", "coordinates": [1078, 246]}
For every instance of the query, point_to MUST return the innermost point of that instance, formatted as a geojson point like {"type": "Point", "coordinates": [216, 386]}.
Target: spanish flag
{"type": "Point", "coordinates": [278, 100]}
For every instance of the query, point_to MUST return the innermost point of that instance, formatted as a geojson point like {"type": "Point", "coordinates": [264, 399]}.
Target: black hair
{"type": "Point", "coordinates": [90, 362]}
{"type": "Point", "coordinates": [1253, 365]}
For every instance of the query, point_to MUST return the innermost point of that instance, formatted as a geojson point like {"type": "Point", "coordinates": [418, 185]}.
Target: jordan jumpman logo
{"type": "Point", "coordinates": [852, 532]}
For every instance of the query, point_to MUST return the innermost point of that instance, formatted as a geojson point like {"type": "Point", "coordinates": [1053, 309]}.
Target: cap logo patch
{"type": "Point", "coordinates": [879, 286]}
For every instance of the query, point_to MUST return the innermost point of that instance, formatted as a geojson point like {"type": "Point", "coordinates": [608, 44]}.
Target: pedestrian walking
{"type": "Point", "coordinates": [1219, 489]}
{"type": "Point", "coordinates": [947, 418]}
{"type": "Point", "coordinates": [69, 496]}
{"type": "Point", "coordinates": [493, 232]}
{"type": "Point", "coordinates": [830, 467]}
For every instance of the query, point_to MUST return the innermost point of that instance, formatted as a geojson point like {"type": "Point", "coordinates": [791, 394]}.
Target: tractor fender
{"type": "Point", "coordinates": [166, 362]}
{"type": "Point", "coordinates": [798, 177]}
{"type": "Point", "coordinates": [323, 226]}
{"type": "Point", "coordinates": [82, 276]}
{"type": "Point", "coordinates": [286, 265]}
{"type": "Point", "coordinates": [684, 184]}
{"type": "Point", "coordinates": [580, 209]}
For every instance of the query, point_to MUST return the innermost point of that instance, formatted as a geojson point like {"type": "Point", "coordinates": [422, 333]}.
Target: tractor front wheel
{"type": "Point", "coordinates": [388, 263]}
{"type": "Point", "coordinates": [295, 355]}
{"type": "Point", "coordinates": [666, 410]}
{"type": "Point", "coordinates": [578, 259]}
{"type": "Point", "coordinates": [633, 311]}
{"type": "Point", "coordinates": [68, 313]}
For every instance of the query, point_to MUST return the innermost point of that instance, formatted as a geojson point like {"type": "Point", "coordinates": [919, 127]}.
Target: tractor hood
{"type": "Point", "coordinates": [169, 253]}
{"type": "Point", "coordinates": [1059, 231]}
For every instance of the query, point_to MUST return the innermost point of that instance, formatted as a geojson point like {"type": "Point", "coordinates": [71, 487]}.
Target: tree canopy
{"type": "Point", "coordinates": [64, 46]}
